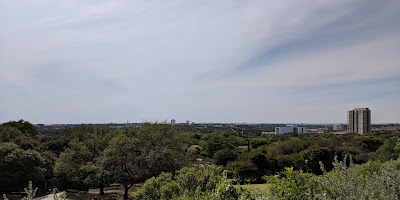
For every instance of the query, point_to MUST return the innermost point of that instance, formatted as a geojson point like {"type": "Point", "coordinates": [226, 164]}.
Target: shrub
{"type": "Point", "coordinates": [293, 185]}
{"type": "Point", "coordinates": [153, 187]}
{"type": "Point", "coordinates": [368, 181]}
{"type": "Point", "coordinates": [244, 171]}
{"type": "Point", "coordinates": [188, 182]}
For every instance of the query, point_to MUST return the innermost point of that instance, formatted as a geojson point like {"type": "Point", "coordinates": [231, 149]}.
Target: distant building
{"type": "Point", "coordinates": [172, 121]}
{"type": "Point", "coordinates": [312, 130]}
{"type": "Point", "coordinates": [300, 130]}
{"type": "Point", "coordinates": [339, 127]}
{"type": "Point", "coordinates": [241, 126]}
{"type": "Point", "coordinates": [289, 129]}
{"type": "Point", "coordinates": [317, 130]}
{"type": "Point", "coordinates": [387, 128]}
{"type": "Point", "coordinates": [218, 126]}
{"type": "Point", "coordinates": [359, 120]}
{"type": "Point", "coordinates": [341, 132]}
{"type": "Point", "coordinates": [40, 126]}
{"type": "Point", "coordinates": [268, 133]}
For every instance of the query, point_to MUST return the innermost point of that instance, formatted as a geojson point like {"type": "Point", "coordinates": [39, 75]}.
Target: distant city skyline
{"type": "Point", "coordinates": [203, 61]}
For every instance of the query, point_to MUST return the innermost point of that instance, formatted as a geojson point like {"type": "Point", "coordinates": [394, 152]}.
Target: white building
{"type": "Point", "coordinates": [300, 130]}
{"type": "Point", "coordinates": [290, 129]}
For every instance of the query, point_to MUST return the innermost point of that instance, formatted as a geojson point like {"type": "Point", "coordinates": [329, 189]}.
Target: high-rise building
{"type": "Point", "coordinates": [359, 120]}
{"type": "Point", "coordinates": [173, 121]}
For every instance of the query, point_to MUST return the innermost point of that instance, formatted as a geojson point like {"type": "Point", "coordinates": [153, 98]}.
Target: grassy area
{"type": "Point", "coordinates": [261, 187]}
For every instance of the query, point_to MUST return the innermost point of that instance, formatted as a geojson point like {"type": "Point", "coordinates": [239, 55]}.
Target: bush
{"type": "Point", "coordinates": [368, 181]}
{"type": "Point", "coordinates": [293, 185]}
{"type": "Point", "coordinates": [157, 187]}
{"type": "Point", "coordinates": [188, 182]}
{"type": "Point", "coordinates": [244, 171]}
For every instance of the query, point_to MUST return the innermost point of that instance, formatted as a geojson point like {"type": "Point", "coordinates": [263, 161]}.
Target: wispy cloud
{"type": "Point", "coordinates": [258, 61]}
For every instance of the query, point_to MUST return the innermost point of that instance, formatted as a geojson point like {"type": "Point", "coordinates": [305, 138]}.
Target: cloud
{"type": "Point", "coordinates": [259, 61]}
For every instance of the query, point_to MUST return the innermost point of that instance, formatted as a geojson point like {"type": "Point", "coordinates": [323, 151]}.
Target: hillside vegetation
{"type": "Point", "coordinates": [177, 162]}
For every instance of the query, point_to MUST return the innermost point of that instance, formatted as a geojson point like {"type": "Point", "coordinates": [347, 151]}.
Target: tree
{"type": "Point", "coordinates": [368, 143]}
{"type": "Point", "coordinates": [8, 133]}
{"type": "Point", "coordinates": [194, 151]}
{"type": "Point", "coordinates": [389, 150]}
{"type": "Point", "coordinates": [123, 159]}
{"type": "Point", "coordinates": [69, 165]}
{"type": "Point", "coordinates": [24, 126]}
{"type": "Point", "coordinates": [96, 174]}
{"type": "Point", "coordinates": [223, 156]}
{"type": "Point", "coordinates": [260, 160]}
{"type": "Point", "coordinates": [321, 154]}
{"type": "Point", "coordinates": [214, 142]}
{"type": "Point", "coordinates": [244, 171]}
{"type": "Point", "coordinates": [138, 154]}
{"type": "Point", "coordinates": [18, 166]}
{"type": "Point", "coordinates": [163, 148]}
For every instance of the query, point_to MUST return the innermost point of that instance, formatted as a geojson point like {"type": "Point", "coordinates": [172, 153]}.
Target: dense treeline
{"type": "Point", "coordinates": [85, 156]}
{"type": "Point", "coordinates": [272, 153]}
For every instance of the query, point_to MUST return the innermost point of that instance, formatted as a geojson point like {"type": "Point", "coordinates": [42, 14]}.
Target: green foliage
{"type": "Point", "coordinates": [263, 164]}
{"type": "Point", "coordinates": [321, 154]}
{"type": "Point", "coordinates": [368, 143]}
{"type": "Point", "coordinates": [244, 171]}
{"type": "Point", "coordinates": [389, 150]}
{"type": "Point", "coordinates": [49, 159]}
{"type": "Point", "coordinates": [18, 166]}
{"type": "Point", "coordinates": [30, 192]}
{"type": "Point", "coordinates": [226, 190]}
{"type": "Point", "coordinates": [367, 181]}
{"type": "Point", "coordinates": [192, 183]}
{"type": "Point", "coordinates": [223, 156]}
{"type": "Point", "coordinates": [24, 126]}
{"type": "Point", "coordinates": [89, 156]}
{"type": "Point", "coordinates": [194, 151]}
{"type": "Point", "coordinates": [289, 146]}
{"type": "Point", "coordinates": [8, 133]}
{"type": "Point", "coordinates": [161, 187]}
{"type": "Point", "coordinates": [138, 154]}
{"type": "Point", "coordinates": [186, 182]}
{"type": "Point", "coordinates": [54, 143]}
{"type": "Point", "coordinates": [26, 142]}
{"type": "Point", "coordinates": [198, 179]}
{"type": "Point", "coordinates": [293, 185]}
{"type": "Point", "coordinates": [372, 180]}
{"type": "Point", "coordinates": [63, 196]}
{"type": "Point", "coordinates": [257, 142]}
{"type": "Point", "coordinates": [216, 141]}
{"type": "Point", "coordinates": [69, 165]}
{"type": "Point", "coordinates": [122, 158]}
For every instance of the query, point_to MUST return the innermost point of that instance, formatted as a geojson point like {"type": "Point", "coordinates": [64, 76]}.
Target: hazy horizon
{"type": "Point", "coordinates": [223, 61]}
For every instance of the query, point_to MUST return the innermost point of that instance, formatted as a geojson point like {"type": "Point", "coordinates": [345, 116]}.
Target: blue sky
{"type": "Point", "coordinates": [203, 61]}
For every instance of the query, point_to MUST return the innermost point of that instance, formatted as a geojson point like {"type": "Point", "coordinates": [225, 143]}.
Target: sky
{"type": "Point", "coordinates": [83, 61]}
